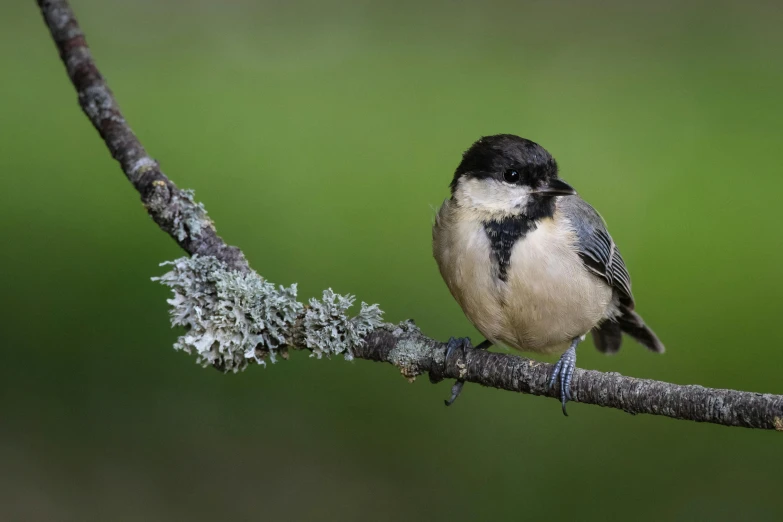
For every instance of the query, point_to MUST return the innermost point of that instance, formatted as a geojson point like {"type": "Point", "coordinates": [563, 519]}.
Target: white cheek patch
{"type": "Point", "coordinates": [489, 195]}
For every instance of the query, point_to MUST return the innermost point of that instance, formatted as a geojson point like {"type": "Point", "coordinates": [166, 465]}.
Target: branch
{"type": "Point", "coordinates": [415, 353]}
{"type": "Point", "coordinates": [322, 326]}
{"type": "Point", "coordinates": [174, 210]}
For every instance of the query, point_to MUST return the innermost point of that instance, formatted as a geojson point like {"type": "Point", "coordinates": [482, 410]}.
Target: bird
{"type": "Point", "coordinates": [531, 263]}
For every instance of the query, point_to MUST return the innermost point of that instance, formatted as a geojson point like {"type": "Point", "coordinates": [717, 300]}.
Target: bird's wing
{"type": "Point", "coordinates": [596, 246]}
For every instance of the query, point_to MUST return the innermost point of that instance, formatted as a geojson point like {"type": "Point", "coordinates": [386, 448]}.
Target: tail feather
{"type": "Point", "coordinates": [631, 323]}
{"type": "Point", "coordinates": [608, 336]}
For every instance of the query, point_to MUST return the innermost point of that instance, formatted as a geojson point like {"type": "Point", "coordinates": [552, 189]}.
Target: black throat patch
{"type": "Point", "coordinates": [503, 235]}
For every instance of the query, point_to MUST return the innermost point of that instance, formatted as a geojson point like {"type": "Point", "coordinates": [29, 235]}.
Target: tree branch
{"type": "Point", "coordinates": [415, 354]}
{"type": "Point", "coordinates": [172, 209]}
{"type": "Point", "coordinates": [403, 345]}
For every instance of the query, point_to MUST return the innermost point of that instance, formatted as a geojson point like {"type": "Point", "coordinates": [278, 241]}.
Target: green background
{"type": "Point", "coordinates": [321, 136]}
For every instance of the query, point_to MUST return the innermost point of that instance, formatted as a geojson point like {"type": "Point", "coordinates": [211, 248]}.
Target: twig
{"type": "Point", "coordinates": [415, 353]}
{"type": "Point", "coordinates": [173, 210]}
{"type": "Point", "coordinates": [403, 345]}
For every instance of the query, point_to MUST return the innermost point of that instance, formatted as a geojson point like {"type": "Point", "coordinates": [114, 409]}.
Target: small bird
{"type": "Point", "coordinates": [529, 261]}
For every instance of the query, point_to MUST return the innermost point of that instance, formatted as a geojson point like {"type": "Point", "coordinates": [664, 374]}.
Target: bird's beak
{"type": "Point", "coordinates": [556, 187]}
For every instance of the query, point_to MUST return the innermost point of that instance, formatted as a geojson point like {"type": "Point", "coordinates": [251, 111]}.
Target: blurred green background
{"type": "Point", "coordinates": [321, 136]}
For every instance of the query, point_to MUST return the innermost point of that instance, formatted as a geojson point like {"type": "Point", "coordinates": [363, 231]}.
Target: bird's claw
{"type": "Point", "coordinates": [456, 343]}
{"type": "Point", "coordinates": [460, 343]}
{"type": "Point", "coordinates": [456, 389]}
{"type": "Point", "coordinates": [564, 372]}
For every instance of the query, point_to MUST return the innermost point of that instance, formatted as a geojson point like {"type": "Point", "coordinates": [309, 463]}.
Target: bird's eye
{"type": "Point", "coordinates": [511, 176]}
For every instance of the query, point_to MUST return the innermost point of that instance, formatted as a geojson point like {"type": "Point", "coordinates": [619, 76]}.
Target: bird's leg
{"type": "Point", "coordinates": [453, 344]}
{"type": "Point", "coordinates": [564, 369]}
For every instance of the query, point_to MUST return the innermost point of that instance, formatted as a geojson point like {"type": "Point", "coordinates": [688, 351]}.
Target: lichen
{"type": "Point", "coordinates": [234, 318]}
{"type": "Point", "coordinates": [405, 356]}
{"type": "Point", "coordinates": [328, 330]}
{"type": "Point", "coordinates": [142, 165]}
{"type": "Point", "coordinates": [191, 218]}
{"type": "Point", "coordinates": [231, 317]}
{"type": "Point", "coordinates": [98, 101]}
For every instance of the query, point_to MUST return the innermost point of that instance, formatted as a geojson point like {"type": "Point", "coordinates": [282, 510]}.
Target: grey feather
{"type": "Point", "coordinates": [601, 256]}
{"type": "Point", "coordinates": [607, 337]}
{"type": "Point", "coordinates": [631, 323]}
{"type": "Point", "coordinates": [596, 247]}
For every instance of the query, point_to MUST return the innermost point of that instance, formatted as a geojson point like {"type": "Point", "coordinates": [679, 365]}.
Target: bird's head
{"type": "Point", "coordinates": [505, 175]}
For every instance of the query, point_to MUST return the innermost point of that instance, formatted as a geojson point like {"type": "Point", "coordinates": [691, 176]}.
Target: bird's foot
{"type": "Point", "coordinates": [564, 371]}
{"type": "Point", "coordinates": [459, 343]}
{"type": "Point", "coordinates": [456, 343]}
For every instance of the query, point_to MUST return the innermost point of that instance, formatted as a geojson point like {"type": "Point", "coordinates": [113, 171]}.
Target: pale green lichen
{"type": "Point", "coordinates": [405, 356]}
{"type": "Point", "coordinates": [192, 217]}
{"type": "Point", "coordinates": [328, 330]}
{"type": "Point", "coordinates": [228, 314]}
{"type": "Point", "coordinates": [234, 318]}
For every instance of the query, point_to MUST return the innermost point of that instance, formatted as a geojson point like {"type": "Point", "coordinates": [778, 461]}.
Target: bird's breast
{"type": "Point", "coordinates": [542, 298]}
{"type": "Point", "coordinates": [550, 296]}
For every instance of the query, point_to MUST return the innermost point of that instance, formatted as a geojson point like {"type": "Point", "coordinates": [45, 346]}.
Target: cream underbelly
{"type": "Point", "coordinates": [548, 299]}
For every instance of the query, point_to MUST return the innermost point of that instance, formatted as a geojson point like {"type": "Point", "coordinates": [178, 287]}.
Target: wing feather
{"type": "Point", "coordinates": [596, 247]}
